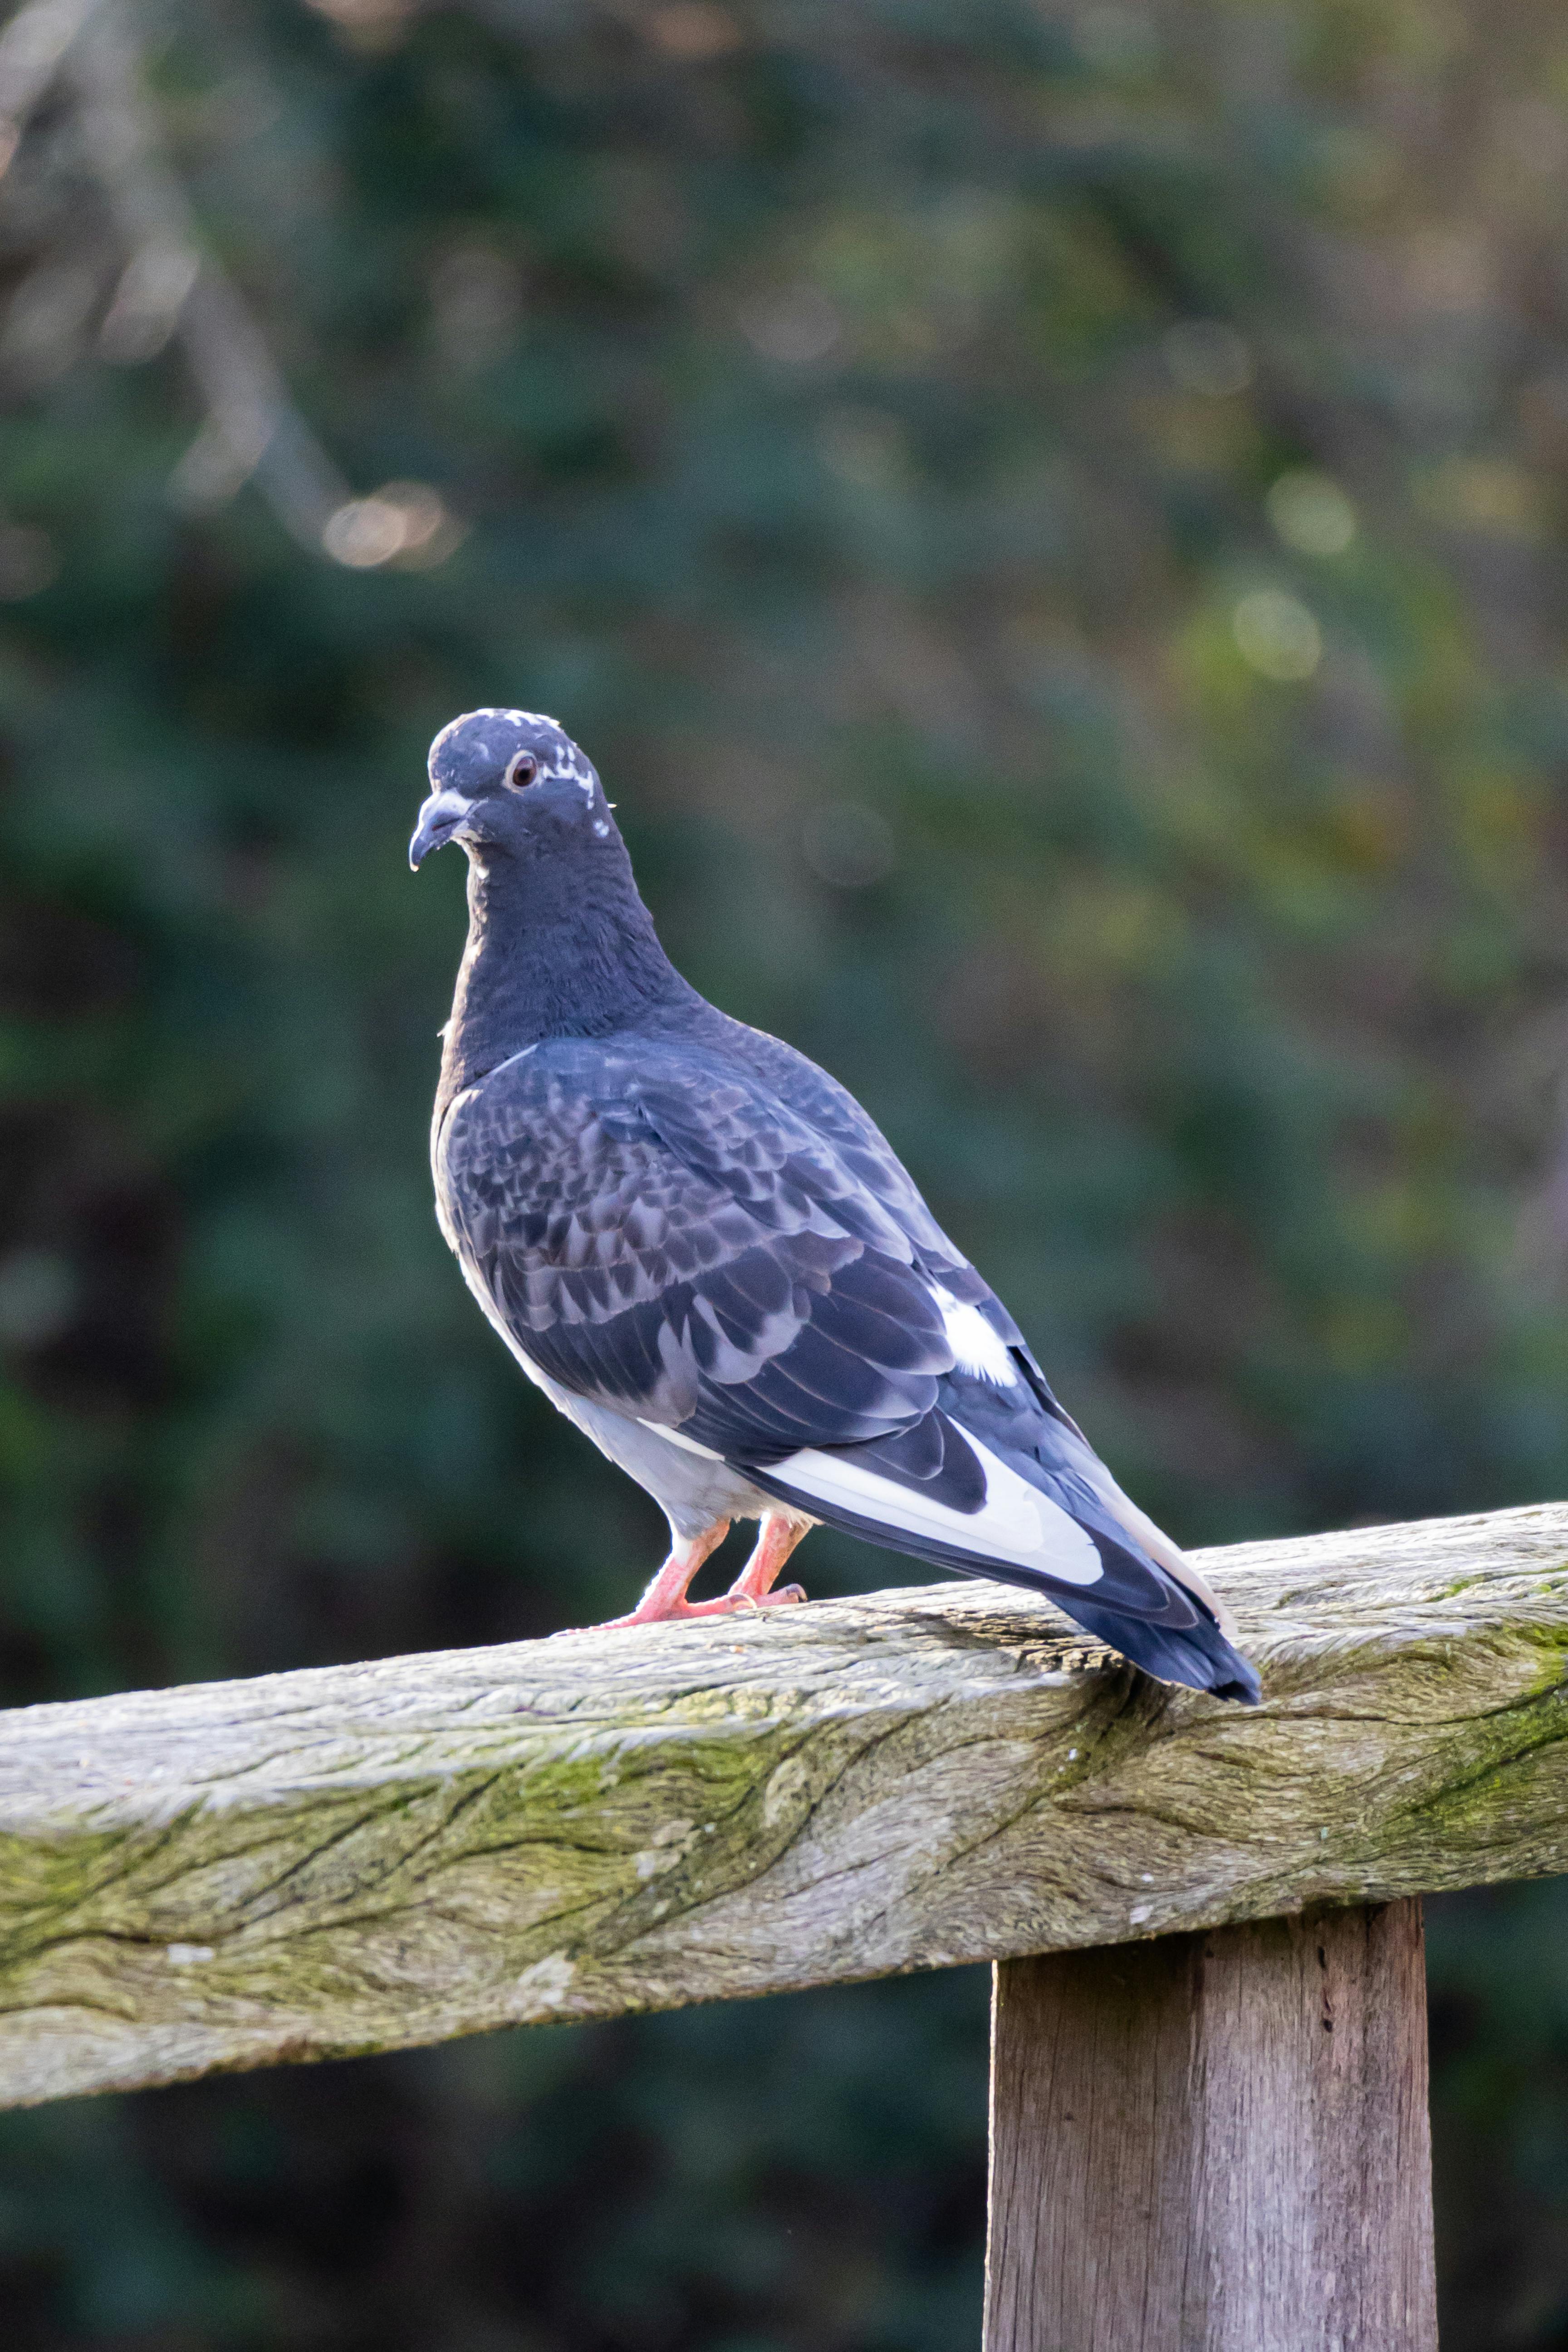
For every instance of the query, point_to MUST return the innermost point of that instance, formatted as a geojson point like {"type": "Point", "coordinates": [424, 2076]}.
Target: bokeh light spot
{"type": "Point", "coordinates": [694, 29]}
{"type": "Point", "coordinates": [405, 522]}
{"type": "Point", "coordinates": [370, 24]}
{"type": "Point", "coordinates": [1277, 635]}
{"type": "Point", "coordinates": [1311, 513]}
{"type": "Point", "coordinates": [794, 326]}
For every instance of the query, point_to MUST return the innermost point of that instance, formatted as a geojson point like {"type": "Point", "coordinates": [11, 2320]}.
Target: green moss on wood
{"type": "Point", "coordinates": [364, 1858]}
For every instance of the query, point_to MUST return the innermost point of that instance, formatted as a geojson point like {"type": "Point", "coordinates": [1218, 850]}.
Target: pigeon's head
{"type": "Point", "coordinates": [510, 781]}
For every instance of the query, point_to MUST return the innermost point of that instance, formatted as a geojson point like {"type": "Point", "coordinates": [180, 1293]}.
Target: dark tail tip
{"type": "Point", "coordinates": [1243, 1686]}
{"type": "Point", "coordinates": [1199, 1657]}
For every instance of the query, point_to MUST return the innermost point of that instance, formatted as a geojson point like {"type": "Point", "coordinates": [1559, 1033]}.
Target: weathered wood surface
{"type": "Point", "coordinates": [350, 1859]}
{"type": "Point", "coordinates": [1215, 2143]}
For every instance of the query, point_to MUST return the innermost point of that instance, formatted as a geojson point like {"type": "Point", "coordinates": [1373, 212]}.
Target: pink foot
{"type": "Point", "coordinates": [728, 1604]}
{"type": "Point", "coordinates": [664, 1601]}
{"type": "Point", "coordinates": [665, 1596]}
{"type": "Point", "coordinates": [754, 1584]}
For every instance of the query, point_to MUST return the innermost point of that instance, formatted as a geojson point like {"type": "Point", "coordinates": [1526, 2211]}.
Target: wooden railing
{"type": "Point", "coordinates": [1209, 2139]}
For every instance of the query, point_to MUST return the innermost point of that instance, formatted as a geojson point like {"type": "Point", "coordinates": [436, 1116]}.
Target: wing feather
{"type": "Point", "coordinates": [663, 1235]}
{"type": "Point", "coordinates": [726, 1249]}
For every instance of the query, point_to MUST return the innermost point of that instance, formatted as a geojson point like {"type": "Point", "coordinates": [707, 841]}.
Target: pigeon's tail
{"type": "Point", "coordinates": [1197, 1655]}
{"type": "Point", "coordinates": [1062, 1529]}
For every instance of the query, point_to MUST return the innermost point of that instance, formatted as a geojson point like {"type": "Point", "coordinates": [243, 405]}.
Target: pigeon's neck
{"type": "Point", "coordinates": [550, 956]}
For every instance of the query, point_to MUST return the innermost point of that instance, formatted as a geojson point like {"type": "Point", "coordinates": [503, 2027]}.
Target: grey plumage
{"type": "Point", "coordinates": [709, 1257]}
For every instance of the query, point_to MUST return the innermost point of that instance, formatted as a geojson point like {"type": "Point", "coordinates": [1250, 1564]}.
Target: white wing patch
{"type": "Point", "coordinates": [1016, 1522]}
{"type": "Point", "coordinates": [981, 1352]}
{"type": "Point", "coordinates": [679, 1437]}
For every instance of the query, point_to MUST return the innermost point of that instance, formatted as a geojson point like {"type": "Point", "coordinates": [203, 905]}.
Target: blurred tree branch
{"type": "Point", "coordinates": [170, 284]}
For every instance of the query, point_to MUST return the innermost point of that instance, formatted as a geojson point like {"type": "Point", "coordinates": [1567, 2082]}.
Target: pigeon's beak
{"type": "Point", "coordinates": [439, 818]}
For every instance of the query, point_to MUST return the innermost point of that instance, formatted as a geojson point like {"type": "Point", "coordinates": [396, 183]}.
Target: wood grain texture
{"type": "Point", "coordinates": [356, 1858]}
{"type": "Point", "coordinates": [1215, 2143]}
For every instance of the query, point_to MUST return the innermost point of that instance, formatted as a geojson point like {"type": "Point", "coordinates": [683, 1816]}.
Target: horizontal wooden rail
{"type": "Point", "coordinates": [367, 1856]}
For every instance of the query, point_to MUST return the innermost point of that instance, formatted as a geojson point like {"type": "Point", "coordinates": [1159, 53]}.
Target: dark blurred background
{"type": "Point", "coordinates": [1052, 521]}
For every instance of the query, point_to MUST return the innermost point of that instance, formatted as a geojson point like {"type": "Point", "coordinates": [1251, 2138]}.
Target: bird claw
{"type": "Point", "coordinates": [673, 1613]}
{"type": "Point", "coordinates": [785, 1596]}
{"type": "Point", "coordinates": [664, 1601]}
{"type": "Point", "coordinates": [726, 1605]}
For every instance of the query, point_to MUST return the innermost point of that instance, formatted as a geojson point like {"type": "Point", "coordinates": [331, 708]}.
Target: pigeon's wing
{"type": "Point", "coordinates": [656, 1232]}
{"type": "Point", "coordinates": [858, 1143]}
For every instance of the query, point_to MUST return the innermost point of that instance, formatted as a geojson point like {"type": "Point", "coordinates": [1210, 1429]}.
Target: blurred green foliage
{"type": "Point", "coordinates": [1051, 522]}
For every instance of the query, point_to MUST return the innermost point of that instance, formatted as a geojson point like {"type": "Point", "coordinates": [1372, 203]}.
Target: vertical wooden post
{"type": "Point", "coordinates": [1215, 2143]}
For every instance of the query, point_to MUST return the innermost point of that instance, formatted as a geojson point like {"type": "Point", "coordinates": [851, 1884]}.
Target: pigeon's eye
{"type": "Point", "coordinates": [521, 771]}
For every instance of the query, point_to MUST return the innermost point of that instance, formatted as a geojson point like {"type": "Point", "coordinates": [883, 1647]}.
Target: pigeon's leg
{"type": "Point", "coordinates": [665, 1596]}
{"type": "Point", "coordinates": [775, 1542]}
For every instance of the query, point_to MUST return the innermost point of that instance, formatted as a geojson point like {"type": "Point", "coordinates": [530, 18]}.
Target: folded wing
{"type": "Point", "coordinates": [659, 1231]}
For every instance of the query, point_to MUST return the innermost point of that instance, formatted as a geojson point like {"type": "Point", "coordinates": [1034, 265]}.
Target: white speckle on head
{"type": "Point", "coordinates": [980, 1351]}
{"type": "Point", "coordinates": [1139, 1912]}
{"type": "Point", "coordinates": [576, 770]}
{"type": "Point", "coordinates": [600, 827]}
{"type": "Point", "coordinates": [561, 758]}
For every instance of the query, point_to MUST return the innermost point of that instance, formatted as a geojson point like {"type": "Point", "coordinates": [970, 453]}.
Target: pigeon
{"type": "Point", "coordinates": [709, 1257]}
